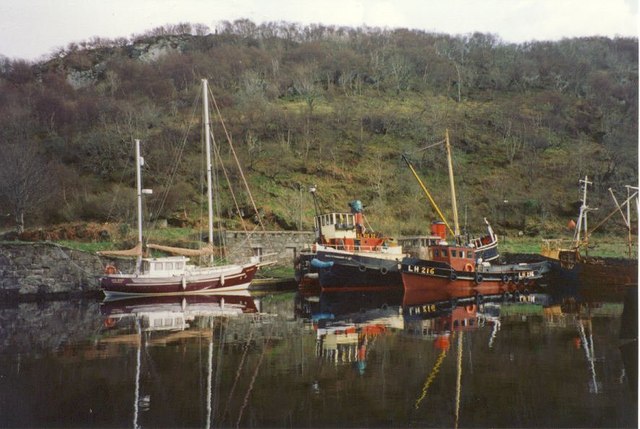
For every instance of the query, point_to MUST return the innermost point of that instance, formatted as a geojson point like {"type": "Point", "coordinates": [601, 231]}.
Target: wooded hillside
{"type": "Point", "coordinates": [334, 107]}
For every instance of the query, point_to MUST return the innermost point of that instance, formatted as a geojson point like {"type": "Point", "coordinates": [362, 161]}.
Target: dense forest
{"type": "Point", "coordinates": [327, 106]}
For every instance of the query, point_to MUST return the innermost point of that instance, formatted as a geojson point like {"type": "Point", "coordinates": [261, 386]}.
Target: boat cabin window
{"type": "Point", "coordinates": [436, 253]}
{"type": "Point", "coordinates": [444, 252]}
{"type": "Point", "coordinates": [157, 266]}
{"type": "Point", "coordinates": [454, 253]}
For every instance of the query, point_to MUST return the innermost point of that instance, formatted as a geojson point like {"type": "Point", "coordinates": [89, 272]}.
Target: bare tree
{"type": "Point", "coordinates": [25, 180]}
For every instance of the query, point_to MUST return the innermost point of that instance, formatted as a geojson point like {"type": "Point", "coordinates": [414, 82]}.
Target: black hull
{"type": "Point", "coordinates": [357, 271]}
{"type": "Point", "coordinates": [596, 272]}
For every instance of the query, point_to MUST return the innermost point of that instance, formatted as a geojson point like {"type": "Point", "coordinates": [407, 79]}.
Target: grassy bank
{"type": "Point", "coordinates": [604, 246]}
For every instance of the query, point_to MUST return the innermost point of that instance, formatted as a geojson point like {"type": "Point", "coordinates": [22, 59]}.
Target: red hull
{"type": "Point", "coordinates": [426, 294]}
{"type": "Point", "coordinates": [418, 282]}
{"type": "Point", "coordinates": [125, 285]}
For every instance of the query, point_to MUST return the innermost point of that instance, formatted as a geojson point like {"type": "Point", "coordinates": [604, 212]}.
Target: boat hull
{"type": "Point", "coordinates": [344, 271]}
{"type": "Point", "coordinates": [596, 272]}
{"type": "Point", "coordinates": [419, 274]}
{"type": "Point", "coordinates": [201, 282]}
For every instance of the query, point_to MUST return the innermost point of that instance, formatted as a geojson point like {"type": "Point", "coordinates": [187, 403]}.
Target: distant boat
{"type": "Point", "coordinates": [464, 262]}
{"type": "Point", "coordinates": [570, 259]}
{"type": "Point", "coordinates": [173, 275]}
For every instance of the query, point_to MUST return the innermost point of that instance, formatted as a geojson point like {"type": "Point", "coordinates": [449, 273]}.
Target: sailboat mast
{"type": "Point", "coordinates": [207, 139]}
{"type": "Point", "coordinates": [454, 205]}
{"type": "Point", "coordinates": [139, 163]}
{"type": "Point", "coordinates": [582, 217]}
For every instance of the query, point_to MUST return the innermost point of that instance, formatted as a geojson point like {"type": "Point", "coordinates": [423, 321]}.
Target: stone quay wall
{"type": "Point", "coordinates": [36, 269]}
{"type": "Point", "coordinates": [282, 246]}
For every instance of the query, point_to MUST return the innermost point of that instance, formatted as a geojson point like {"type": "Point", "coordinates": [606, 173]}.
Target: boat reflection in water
{"type": "Point", "coordinates": [445, 316]}
{"type": "Point", "coordinates": [160, 320]}
{"type": "Point", "coordinates": [347, 323]}
{"type": "Point", "coordinates": [438, 358]}
{"type": "Point", "coordinates": [149, 310]}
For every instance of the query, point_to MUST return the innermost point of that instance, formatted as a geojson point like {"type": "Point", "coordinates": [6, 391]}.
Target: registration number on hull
{"type": "Point", "coordinates": [417, 269]}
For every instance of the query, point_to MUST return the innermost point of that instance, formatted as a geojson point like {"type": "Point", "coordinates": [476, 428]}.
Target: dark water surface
{"type": "Point", "coordinates": [560, 357]}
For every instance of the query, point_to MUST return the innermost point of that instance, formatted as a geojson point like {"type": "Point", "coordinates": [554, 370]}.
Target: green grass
{"type": "Point", "coordinates": [603, 246]}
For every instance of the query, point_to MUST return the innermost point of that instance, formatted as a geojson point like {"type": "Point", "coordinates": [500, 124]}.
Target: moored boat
{"type": "Point", "coordinates": [570, 260]}
{"type": "Point", "coordinates": [459, 266]}
{"type": "Point", "coordinates": [347, 255]}
{"type": "Point", "coordinates": [463, 262]}
{"type": "Point", "coordinates": [173, 275]}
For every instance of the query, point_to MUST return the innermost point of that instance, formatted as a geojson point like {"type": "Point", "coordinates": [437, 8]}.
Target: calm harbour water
{"type": "Point", "coordinates": [559, 357]}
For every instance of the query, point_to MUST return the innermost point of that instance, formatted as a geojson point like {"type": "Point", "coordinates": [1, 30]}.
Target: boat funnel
{"type": "Point", "coordinates": [439, 228]}
{"type": "Point", "coordinates": [356, 206]}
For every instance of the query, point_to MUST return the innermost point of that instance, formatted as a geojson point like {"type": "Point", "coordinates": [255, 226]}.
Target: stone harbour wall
{"type": "Point", "coordinates": [282, 246]}
{"type": "Point", "coordinates": [33, 269]}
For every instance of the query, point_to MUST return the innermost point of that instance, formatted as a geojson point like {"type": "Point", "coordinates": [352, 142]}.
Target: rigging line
{"type": "Point", "coordinates": [177, 156]}
{"type": "Point", "coordinates": [253, 378]}
{"type": "Point", "coordinates": [117, 192]}
{"type": "Point", "coordinates": [226, 176]}
{"type": "Point", "coordinates": [609, 216]}
{"type": "Point", "coordinates": [427, 147]}
{"type": "Point", "coordinates": [216, 166]}
{"type": "Point", "coordinates": [215, 104]}
{"type": "Point", "coordinates": [367, 221]}
{"type": "Point", "coordinates": [240, 366]}
{"type": "Point", "coordinates": [224, 325]}
{"type": "Point", "coordinates": [241, 245]}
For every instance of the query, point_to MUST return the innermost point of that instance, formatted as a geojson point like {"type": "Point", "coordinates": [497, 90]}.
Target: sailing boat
{"type": "Point", "coordinates": [464, 263]}
{"type": "Point", "coordinates": [173, 275]}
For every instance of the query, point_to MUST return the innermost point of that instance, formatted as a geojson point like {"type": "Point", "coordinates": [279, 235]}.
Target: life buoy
{"type": "Point", "coordinates": [468, 267]}
{"type": "Point", "coordinates": [384, 270]}
{"type": "Point", "coordinates": [110, 269]}
{"type": "Point", "coordinates": [109, 322]}
{"type": "Point", "coordinates": [470, 308]}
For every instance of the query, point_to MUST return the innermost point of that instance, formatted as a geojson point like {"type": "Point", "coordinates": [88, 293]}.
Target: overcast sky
{"type": "Point", "coordinates": [31, 29]}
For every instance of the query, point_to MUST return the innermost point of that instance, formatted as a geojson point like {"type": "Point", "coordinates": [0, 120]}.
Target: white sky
{"type": "Point", "coordinates": [31, 29]}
